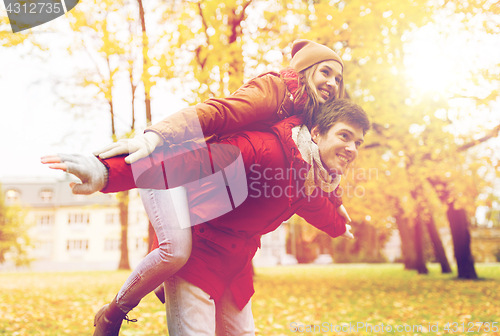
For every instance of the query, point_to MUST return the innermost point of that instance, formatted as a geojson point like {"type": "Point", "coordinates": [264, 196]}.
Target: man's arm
{"type": "Point", "coordinates": [323, 214]}
{"type": "Point", "coordinates": [167, 167]}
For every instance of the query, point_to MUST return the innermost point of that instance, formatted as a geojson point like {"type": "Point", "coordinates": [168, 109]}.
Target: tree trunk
{"type": "Point", "coordinates": [132, 103]}
{"type": "Point", "coordinates": [110, 102]}
{"type": "Point", "coordinates": [459, 225]}
{"type": "Point", "coordinates": [123, 206]}
{"type": "Point", "coordinates": [407, 244]}
{"type": "Point", "coordinates": [147, 101]}
{"type": "Point", "coordinates": [121, 196]}
{"type": "Point", "coordinates": [419, 247]}
{"type": "Point", "coordinates": [146, 63]}
{"type": "Point", "coordinates": [438, 246]}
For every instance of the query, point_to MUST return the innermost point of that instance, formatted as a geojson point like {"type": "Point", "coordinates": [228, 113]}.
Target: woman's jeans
{"type": "Point", "coordinates": [192, 312]}
{"type": "Point", "coordinates": [169, 214]}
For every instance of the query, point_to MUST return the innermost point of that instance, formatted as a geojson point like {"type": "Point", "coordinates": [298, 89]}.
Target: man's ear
{"type": "Point", "coordinates": [314, 133]}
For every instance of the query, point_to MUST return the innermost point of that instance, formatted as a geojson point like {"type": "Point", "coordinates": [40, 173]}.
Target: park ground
{"type": "Point", "coordinates": [361, 299]}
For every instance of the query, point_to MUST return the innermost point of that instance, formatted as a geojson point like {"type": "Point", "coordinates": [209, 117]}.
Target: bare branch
{"type": "Point", "coordinates": [373, 145]}
{"type": "Point", "coordinates": [494, 133]}
{"type": "Point", "coordinates": [236, 23]}
{"type": "Point", "coordinates": [205, 28]}
{"type": "Point", "coordinates": [205, 25]}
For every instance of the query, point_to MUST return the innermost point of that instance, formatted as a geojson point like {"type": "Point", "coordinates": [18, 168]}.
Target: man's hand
{"type": "Point", "coordinates": [347, 234]}
{"type": "Point", "coordinates": [92, 172]}
{"type": "Point", "coordinates": [139, 147]}
{"type": "Point", "coordinates": [343, 212]}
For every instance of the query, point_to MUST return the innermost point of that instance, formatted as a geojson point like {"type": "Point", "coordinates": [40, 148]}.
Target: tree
{"type": "Point", "coordinates": [14, 238]}
{"type": "Point", "coordinates": [207, 49]}
{"type": "Point", "coordinates": [437, 244]}
{"type": "Point", "coordinates": [103, 40]}
{"type": "Point", "coordinates": [413, 141]}
{"type": "Point", "coordinates": [116, 40]}
{"type": "Point", "coordinates": [369, 38]}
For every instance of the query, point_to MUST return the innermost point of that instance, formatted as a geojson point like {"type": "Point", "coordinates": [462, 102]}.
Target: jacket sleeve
{"type": "Point", "coordinates": [173, 166]}
{"type": "Point", "coordinates": [120, 177]}
{"type": "Point", "coordinates": [258, 100]}
{"type": "Point", "coordinates": [167, 167]}
{"type": "Point", "coordinates": [322, 214]}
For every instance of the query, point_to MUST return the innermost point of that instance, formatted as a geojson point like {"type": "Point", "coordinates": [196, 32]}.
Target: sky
{"type": "Point", "coordinates": [33, 120]}
{"type": "Point", "coordinates": [32, 124]}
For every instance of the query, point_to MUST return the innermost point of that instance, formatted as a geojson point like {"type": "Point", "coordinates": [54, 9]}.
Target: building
{"type": "Point", "coordinates": [82, 232]}
{"type": "Point", "coordinates": [75, 232]}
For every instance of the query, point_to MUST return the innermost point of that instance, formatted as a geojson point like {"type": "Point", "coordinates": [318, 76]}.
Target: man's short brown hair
{"type": "Point", "coordinates": [340, 110]}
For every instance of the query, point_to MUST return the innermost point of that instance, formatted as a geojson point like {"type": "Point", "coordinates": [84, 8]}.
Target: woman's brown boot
{"type": "Point", "coordinates": [108, 320]}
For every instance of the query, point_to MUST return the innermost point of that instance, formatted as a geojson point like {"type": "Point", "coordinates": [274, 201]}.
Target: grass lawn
{"type": "Point", "coordinates": [287, 300]}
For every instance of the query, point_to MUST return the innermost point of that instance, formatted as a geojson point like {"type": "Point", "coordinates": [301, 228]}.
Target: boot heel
{"type": "Point", "coordinates": [109, 326]}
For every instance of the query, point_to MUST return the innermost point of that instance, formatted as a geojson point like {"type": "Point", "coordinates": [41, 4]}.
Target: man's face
{"type": "Point", "coordinates": [339, 146]}
{"type": "Point", "coordinates": [326, 79]}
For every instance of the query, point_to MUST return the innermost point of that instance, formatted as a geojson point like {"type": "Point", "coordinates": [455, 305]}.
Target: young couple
{"type": "Point", "coordinates": [295, 122]}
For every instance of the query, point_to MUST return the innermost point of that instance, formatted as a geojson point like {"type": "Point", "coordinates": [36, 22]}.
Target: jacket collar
{"type": "Point", "coordinates": [283, 130]}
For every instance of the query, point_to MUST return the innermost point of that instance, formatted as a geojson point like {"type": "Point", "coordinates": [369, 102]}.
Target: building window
{"type": "Point", "coordinates": [276, 236]}
{"type": "Point", "coordinates": [45, 220]}
{"type": "Point", "coordinates": [112, 244]}
{"type": "Point", "coordinates": [78, 245]}
{"type": "Point", "coordinates": [111, 218]}
{"type": "Point", "coordinates": [43, 248]}
{"type": "Point", "coordinates": [78, 219]}
{"type": "Point", "coordinates": [12, 196]}
{"type": "Point", "coordinates": [46, 196]}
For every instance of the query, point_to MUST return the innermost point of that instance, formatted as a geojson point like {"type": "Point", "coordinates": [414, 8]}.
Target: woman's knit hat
{"type": "Point", "coordinates": [306, 53]}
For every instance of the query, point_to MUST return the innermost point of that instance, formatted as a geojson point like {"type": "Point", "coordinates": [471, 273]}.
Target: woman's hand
{"type": "Point", "coordinates": [92, 172]}
{"type": "Point", "coordinates": [347, 234]}
{"type": "Point", "coordinates": [139, 147]}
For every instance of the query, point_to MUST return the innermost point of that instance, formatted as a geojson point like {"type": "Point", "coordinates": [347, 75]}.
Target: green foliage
{"type": "Point", "coordinates": [207, 47]}
{"type": "Point", "coordinates": [310, 242]}
{"type": "Point", "coordinates": [497, 255]}
{"type": "Point", "coordinates": [366, 246]}
{"type": "Point", "coordinates": [54, 304]}
{"type": "Point", "coordinates": [372, 294]}
{"type": "Point", "coordinates": [14, 238]}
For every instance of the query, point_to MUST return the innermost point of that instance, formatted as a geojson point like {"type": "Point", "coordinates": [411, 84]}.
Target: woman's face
{"type": "Point", "coordinates": [326, 79]}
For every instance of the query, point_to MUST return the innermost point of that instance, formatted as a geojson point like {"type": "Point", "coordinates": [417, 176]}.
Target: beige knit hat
{"type": "Point", "coordinates": [306, 53]}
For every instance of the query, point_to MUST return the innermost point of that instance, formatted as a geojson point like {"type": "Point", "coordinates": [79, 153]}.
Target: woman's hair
{"type": "Point", "coordinates": [339, 110]}
{"type": "Point", "coordinates": [307, 87]}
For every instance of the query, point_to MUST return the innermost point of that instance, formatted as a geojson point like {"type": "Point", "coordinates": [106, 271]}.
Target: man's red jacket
{"type": "Point", "coordinates": [224, 245]}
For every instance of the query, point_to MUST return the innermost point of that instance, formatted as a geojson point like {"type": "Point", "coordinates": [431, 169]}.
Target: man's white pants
{"type": "Point", "coordinates": [191, 312]}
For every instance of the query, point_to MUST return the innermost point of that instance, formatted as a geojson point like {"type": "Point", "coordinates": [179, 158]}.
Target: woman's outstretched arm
{"type": "Point", "coordinates": [258, 101]}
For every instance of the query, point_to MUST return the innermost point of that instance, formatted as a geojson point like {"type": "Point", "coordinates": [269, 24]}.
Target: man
{"type": "Point", "coordinates": [289, 170]}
